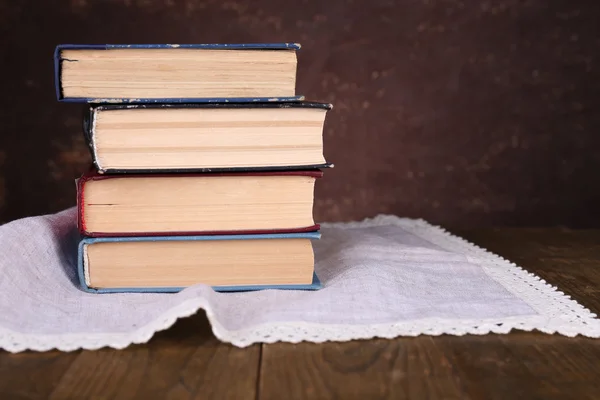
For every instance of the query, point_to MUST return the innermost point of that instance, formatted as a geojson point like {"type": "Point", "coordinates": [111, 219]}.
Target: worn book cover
{"type": "Point", "coordinates": [244, 46]}
{"type": "Point", "coordinates": [91, 113]}
{"type": "Point", "coordinates": [83, 271]}
{"type": "Point", "coordinates": [93, 176]}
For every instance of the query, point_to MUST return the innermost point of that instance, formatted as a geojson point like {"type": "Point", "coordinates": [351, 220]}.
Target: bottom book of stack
{"type": "Point", "coordinates": [172, 263]}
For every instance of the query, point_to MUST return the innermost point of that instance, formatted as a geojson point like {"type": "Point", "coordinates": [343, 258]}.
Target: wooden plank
{"type": "Point", "coordinates": [31, 375]}
{"type": "Point", "coordinates": [185, 362]}
{"type": "Point", "coordinates": [405, 368]}
{"type": "Point", "coordinates": [524, 365]}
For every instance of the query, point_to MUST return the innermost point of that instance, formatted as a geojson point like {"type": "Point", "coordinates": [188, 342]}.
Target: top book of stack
{"type": "Point", "coordinates": [176, 73]}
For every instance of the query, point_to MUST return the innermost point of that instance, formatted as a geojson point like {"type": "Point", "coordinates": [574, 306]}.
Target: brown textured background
{"type": "Point", "coordinates": [466, 113]}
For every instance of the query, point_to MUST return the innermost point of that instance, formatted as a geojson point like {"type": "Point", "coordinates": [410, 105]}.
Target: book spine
{"type": "Point", "coordinates": [88, 115]}
{"type": "Point", "coordinates": [57, 83]}
{"type": "Point", "coordinates": [89, 131]}
{"type": "Point", "coordinates": [80, 206]}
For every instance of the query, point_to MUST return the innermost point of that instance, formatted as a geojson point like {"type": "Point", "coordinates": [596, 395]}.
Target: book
{"type": "Point", "coordinates": [206, 137]}
{"type": "Point", "coordinates": [165, 73]}
{"type": "Point", "coordinates": [170, 263]}
{"type": "Point", "coordinates": [193, 204]}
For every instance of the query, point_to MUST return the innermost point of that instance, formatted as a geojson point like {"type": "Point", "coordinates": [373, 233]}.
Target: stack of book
{"type": "Point", "coordinates": [205, 162]}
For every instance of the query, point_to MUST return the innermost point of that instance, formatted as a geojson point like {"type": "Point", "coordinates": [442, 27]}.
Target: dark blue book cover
{"type": "Point", "coordinates": [58, 63]}
{"type": "Point", "coordinates": [83, 271]}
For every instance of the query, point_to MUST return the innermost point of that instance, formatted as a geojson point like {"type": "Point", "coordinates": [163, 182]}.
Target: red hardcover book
{"type": "Point", "coordinates": [196, 204]}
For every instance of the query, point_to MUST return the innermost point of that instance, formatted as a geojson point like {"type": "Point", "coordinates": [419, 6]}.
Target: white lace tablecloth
{"type": "Point", "coordinates": [383, 277]}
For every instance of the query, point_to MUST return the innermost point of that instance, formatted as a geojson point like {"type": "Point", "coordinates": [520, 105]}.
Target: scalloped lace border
{"type": "Point", "coordinates": [557, 312]}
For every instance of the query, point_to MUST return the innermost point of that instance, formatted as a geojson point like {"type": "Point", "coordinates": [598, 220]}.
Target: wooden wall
{"type": "Point", "coordinates": [466, 113]}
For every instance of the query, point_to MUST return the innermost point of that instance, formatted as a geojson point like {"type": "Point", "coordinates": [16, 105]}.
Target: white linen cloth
{"type": "Point", "coordinates": [383, 277]}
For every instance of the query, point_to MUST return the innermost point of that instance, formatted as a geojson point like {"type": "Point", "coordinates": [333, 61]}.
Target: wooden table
{"type": "Point", "coordinates": [187, 362]}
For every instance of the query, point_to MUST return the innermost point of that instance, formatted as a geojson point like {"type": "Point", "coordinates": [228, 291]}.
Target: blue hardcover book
{"type": "Point", "coordinates": [229, 263]}
{"type": "Point", "coordinates": [176, 73]}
